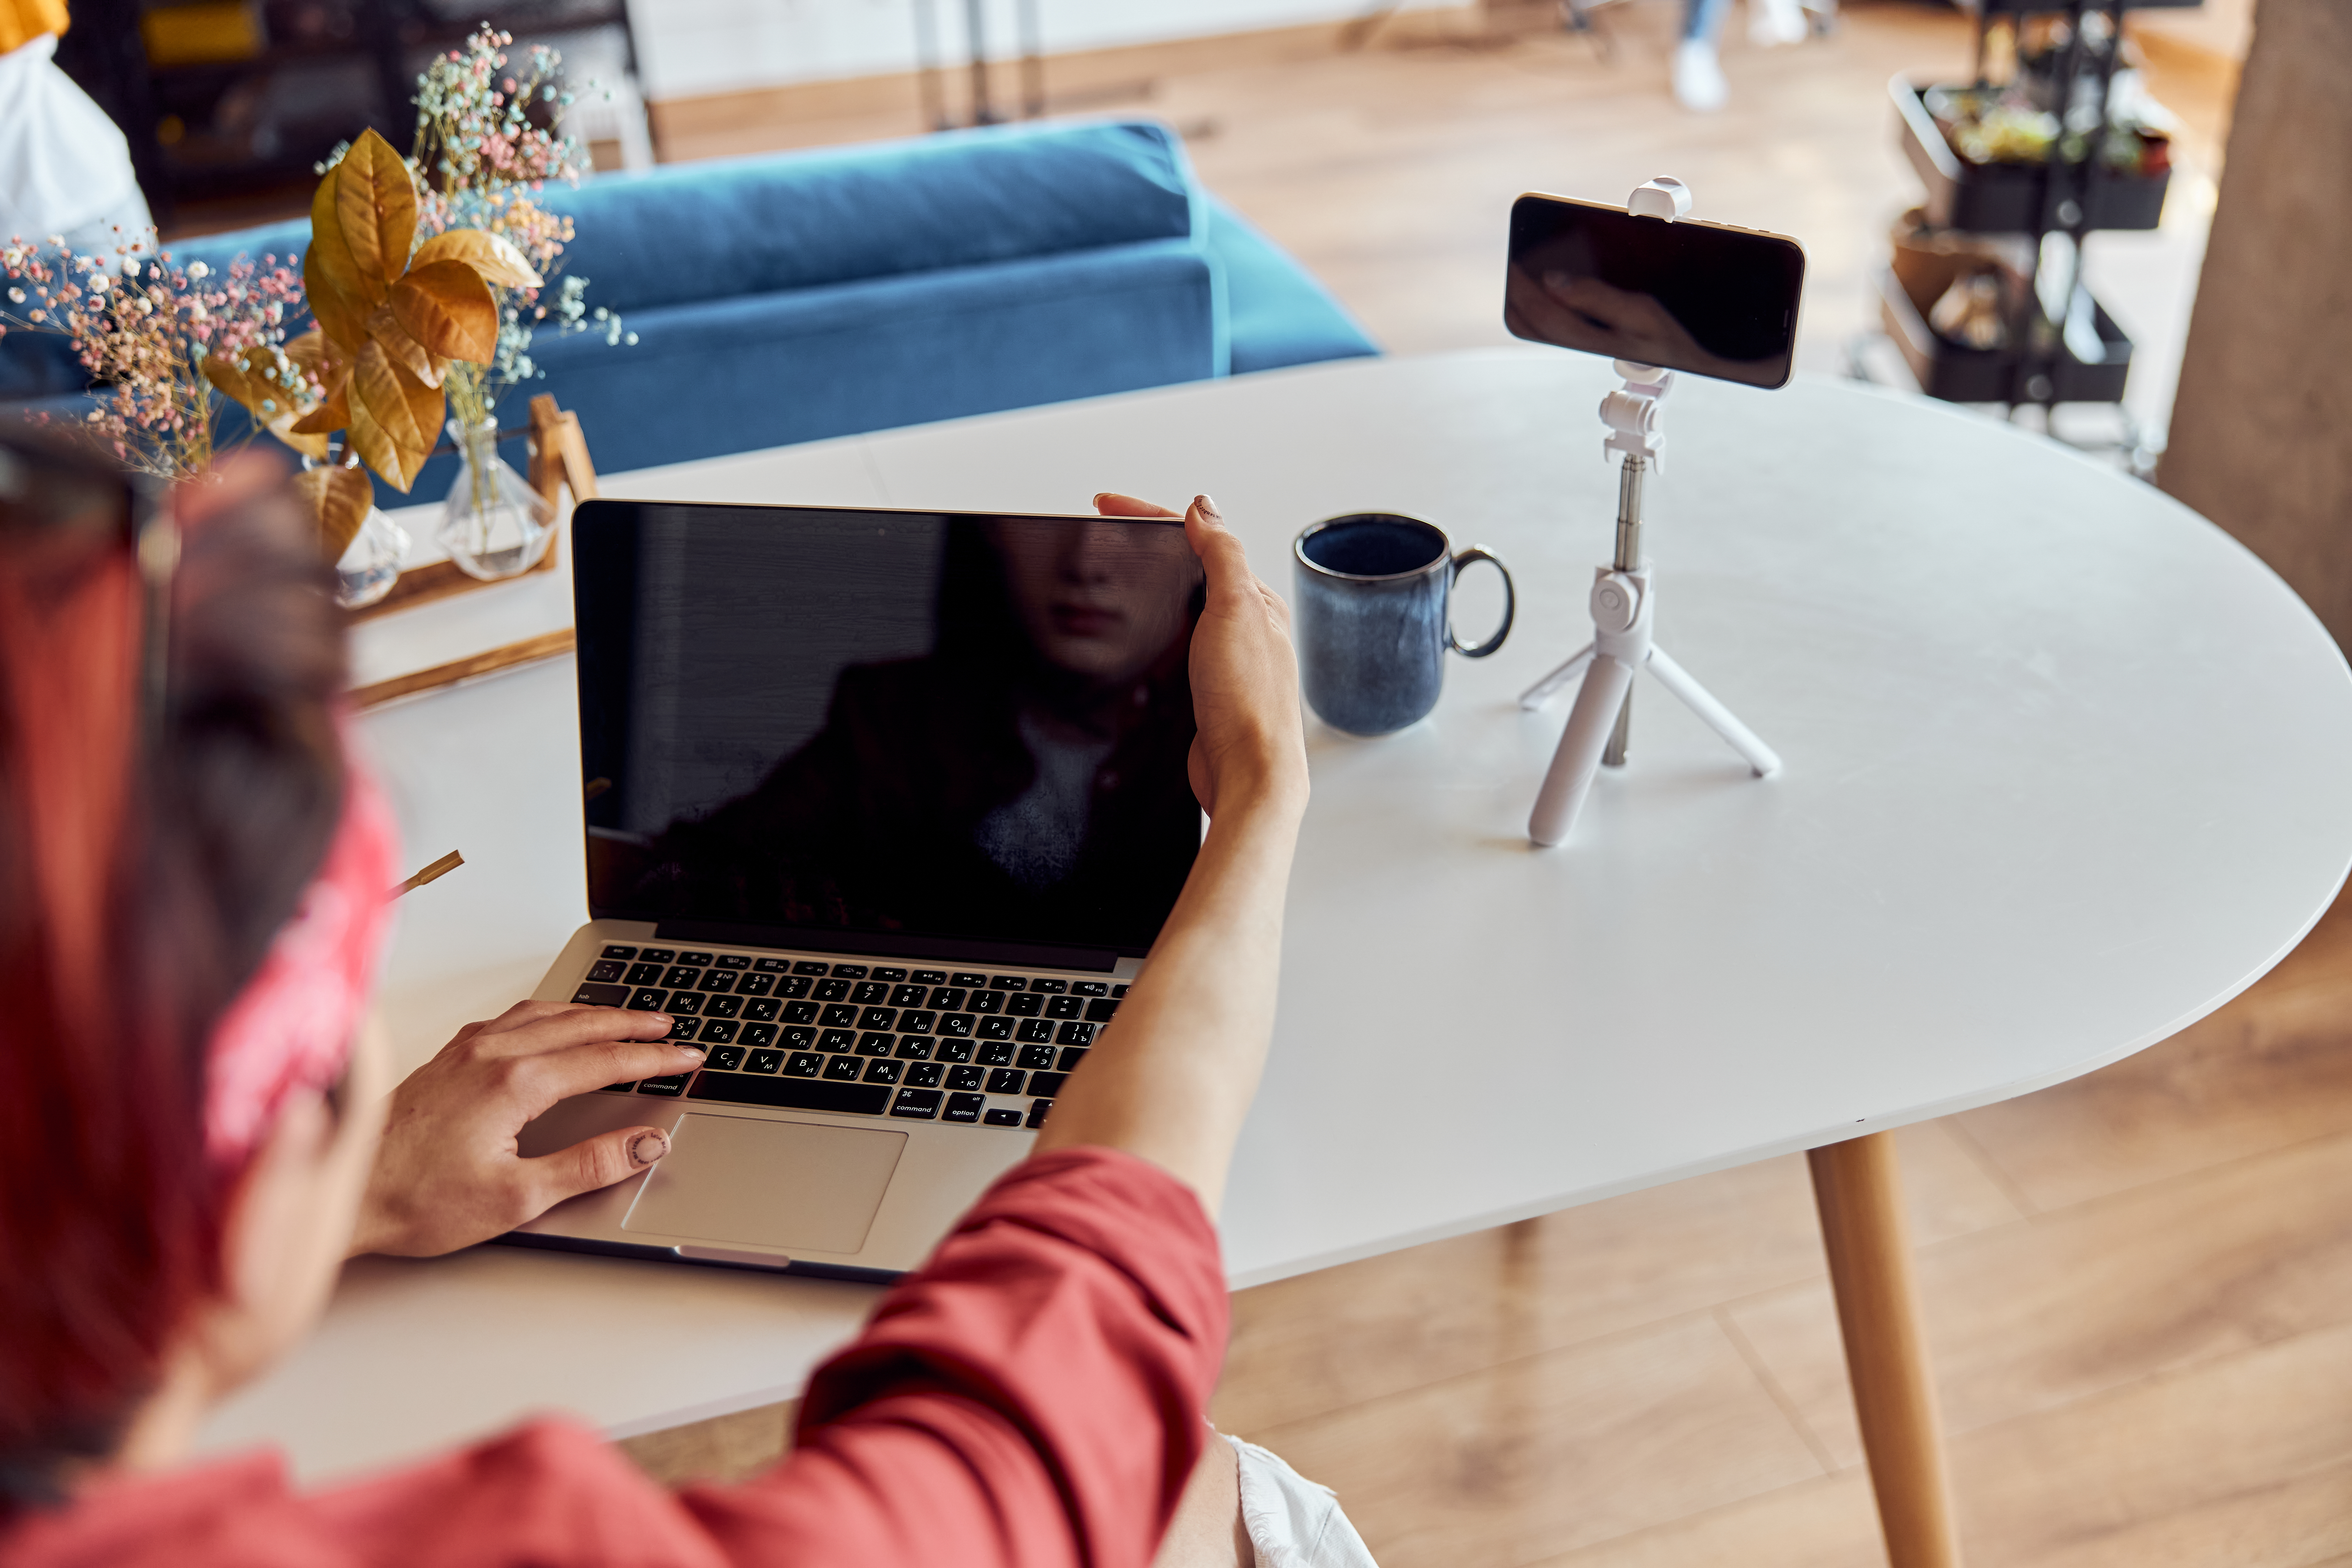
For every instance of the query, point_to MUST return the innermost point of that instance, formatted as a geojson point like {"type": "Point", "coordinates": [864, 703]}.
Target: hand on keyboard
{"type": "Point", "coordinates": [448, 1174]}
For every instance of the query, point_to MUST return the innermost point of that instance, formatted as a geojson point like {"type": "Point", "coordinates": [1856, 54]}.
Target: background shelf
{"type": "Point", "coordinates": [2008, 198]}
{"type": "Point", "coordinates": [2052, 7]}
{"type": "Point", "coordinates": [246, 131]}
{"type": "Point", "coordinates": [1956, 374]}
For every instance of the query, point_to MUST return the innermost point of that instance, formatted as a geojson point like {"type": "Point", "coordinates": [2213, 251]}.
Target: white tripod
{"type": "Point", "coordinates": [1624, 605]}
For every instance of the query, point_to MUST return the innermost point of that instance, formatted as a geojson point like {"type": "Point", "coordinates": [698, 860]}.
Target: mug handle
{"type": "Point", "coordinates": [1510, 603]}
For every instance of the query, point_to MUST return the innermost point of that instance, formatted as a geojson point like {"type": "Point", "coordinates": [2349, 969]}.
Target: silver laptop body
{"type": "Point", "coordinates": [862, 1084]}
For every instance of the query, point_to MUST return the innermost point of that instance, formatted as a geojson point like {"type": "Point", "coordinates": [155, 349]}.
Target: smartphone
{"type": "Point", "coordinates": [1699, 297]}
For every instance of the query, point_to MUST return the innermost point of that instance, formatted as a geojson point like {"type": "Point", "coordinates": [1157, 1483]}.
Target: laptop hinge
{"type": "Point", "coordinates": [735, 1256]}
{"type": "Point", "coordinates": [891, 944]}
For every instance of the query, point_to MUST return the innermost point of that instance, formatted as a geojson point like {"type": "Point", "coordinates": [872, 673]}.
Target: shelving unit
{"type": "Point", "coordinates": [2018, 208]}
{"type": "Point", "coordinates": [249, 95]}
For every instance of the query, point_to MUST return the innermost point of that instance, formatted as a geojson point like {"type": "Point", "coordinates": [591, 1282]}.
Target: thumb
{"type": "Point", "coordinates": [595, 1163]}
{"type": "Point", "coordinates": [1223, 559]}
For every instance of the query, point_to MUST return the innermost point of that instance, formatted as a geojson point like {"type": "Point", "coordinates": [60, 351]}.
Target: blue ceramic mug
{"type": "Point", "coordinates": [1375, 594]}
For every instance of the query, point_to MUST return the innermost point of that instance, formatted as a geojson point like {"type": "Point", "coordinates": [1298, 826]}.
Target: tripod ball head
{"type": "Point", "coordinates": [1616, 602]}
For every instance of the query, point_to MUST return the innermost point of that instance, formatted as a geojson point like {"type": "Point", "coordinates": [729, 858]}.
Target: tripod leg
{"type": "Point", "coordinates": [1544, 690]}
{"type": "Point", "coordinates": [1621, 736]}
{"type": "Point", "coordinates": [1719, 719]}
{"type": "Point", "coordinates": [1598, 701]}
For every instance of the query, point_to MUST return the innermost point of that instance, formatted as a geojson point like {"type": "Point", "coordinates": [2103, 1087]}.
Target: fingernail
{"type": "Point", "coordinates": [697, 1052]}
{"type": "Point", "coordinates": [647, 1147]}
{"type": "Point", "coordinates": [1208, 506]}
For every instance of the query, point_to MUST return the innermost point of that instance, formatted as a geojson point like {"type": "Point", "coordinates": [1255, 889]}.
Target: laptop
{"type": "Point", "coordinates": [884, 808]}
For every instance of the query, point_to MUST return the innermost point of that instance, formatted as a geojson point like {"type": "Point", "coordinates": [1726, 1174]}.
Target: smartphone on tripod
{"type": "Point", "coordinates": [1682, 295]}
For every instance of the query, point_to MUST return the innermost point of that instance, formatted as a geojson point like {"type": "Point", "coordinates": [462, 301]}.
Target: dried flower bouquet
{"type": "Point", "coordinates": [163, 337]}
{"type": "Point", "coordinates": [425, 278]}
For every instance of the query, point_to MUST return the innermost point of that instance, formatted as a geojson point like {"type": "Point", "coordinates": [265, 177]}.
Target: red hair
{"type": "Point", "coordinates": [143, 868]}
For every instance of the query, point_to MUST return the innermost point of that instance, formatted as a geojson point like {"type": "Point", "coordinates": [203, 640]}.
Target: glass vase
{"type": "Point", "coordinates": [494, 524]}
{"type": "Point", "coordinates": [370, 563]}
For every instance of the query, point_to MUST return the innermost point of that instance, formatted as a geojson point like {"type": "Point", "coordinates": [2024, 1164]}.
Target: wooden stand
{"type": "Point", "coordinates": [558, 458]}
{"type": "Point", "coordinates": [1859, 1189]}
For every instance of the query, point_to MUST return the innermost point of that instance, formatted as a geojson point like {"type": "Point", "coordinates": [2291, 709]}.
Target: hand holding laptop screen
{"type": "Point", "coordinates": [1099, 609]}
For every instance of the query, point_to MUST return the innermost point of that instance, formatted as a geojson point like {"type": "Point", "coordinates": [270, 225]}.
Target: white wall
{"type": "Point", "coordinates": [690, 47]}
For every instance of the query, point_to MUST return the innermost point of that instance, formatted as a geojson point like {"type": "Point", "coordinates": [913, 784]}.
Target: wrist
{"type": "Point", "coordinates": [374, 1229]}
{"type": "Point", "coordinates": [1274, 791]}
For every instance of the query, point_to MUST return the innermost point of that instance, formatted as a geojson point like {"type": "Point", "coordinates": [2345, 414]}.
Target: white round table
{"type": "Point", "coordinates": [2065, 769]}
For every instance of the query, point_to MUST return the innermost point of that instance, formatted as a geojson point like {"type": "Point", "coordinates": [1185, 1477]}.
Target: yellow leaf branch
{"type": "Point", "coordinates": [392, 321]}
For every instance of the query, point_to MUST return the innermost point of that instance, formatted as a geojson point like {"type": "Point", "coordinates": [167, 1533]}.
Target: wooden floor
{"type": "Point", "coordinates": [2139, 1285]}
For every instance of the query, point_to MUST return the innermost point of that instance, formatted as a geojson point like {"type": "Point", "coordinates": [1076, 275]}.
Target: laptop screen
{"type": "Point", "coordinates": [889, 731]}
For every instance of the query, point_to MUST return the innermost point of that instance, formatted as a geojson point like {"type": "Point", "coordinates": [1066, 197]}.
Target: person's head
{"type": "Point", "coordinates": [1103, 601]}
{"type": "Point", "coordinates": [173, 1155]}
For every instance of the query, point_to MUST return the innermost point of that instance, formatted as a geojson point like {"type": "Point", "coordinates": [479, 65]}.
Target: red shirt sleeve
{"type": "Point", "coordinates": [1035, 1395]}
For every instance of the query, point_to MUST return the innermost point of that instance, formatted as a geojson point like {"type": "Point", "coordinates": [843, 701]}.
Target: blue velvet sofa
{"type": "Point", "coordinates": [789, 297]}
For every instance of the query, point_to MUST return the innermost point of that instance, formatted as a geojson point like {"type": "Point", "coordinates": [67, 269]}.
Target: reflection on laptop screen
{"type": "Point", "coordinates": [833, 722]}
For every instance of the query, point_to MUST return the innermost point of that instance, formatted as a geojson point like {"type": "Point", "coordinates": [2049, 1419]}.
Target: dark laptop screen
{"type": "Point", "coordinates": [827, 725]}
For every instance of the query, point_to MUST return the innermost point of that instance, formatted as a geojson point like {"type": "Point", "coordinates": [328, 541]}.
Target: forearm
{"type": "Point", "coordinates": [1172, 1077]}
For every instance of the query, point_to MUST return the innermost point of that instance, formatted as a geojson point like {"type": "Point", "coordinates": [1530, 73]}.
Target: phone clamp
{"type": "Point", "coordinates": [1624, 603]}
{"type": "Point", "coordinates": [1632, 414]}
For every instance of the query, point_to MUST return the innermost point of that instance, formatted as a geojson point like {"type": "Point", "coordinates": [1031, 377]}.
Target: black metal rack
{"type": "Point", "coordinates": [234, 128]}
{"type": "Point", "coordinates": [2073, 196]}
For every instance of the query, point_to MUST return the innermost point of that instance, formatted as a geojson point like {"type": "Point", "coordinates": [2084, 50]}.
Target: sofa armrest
{"type": "Point", "coordinates": [1276, 313]}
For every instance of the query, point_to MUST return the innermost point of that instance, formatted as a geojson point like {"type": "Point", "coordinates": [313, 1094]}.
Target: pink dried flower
{"type": "Point", "coordinates": [143, 339]}
{"type": "Point", "coordinates": [480, 162]}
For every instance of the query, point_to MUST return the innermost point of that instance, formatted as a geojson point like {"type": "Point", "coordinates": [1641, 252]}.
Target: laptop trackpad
{"type": "Point", "coordinates": [796, 1186]}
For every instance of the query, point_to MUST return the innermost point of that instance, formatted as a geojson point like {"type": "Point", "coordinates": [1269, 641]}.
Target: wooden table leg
{"type": "Point", "coordinates": [1859, 1187]}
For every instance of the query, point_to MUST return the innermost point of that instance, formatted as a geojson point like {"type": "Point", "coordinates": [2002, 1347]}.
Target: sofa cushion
{"type": "Point", "coordinates": [287, 241]}
{"type": "Point", "coordinates": [734, 375]}
{"type": "Point", "coordinates": [752, 226]}
{"type": "Point", "coordinates": [35, 364]}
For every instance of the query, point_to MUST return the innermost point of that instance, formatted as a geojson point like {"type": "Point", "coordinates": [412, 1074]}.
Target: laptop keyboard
{"type": "Point", "coordinates": [976, 1048]}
